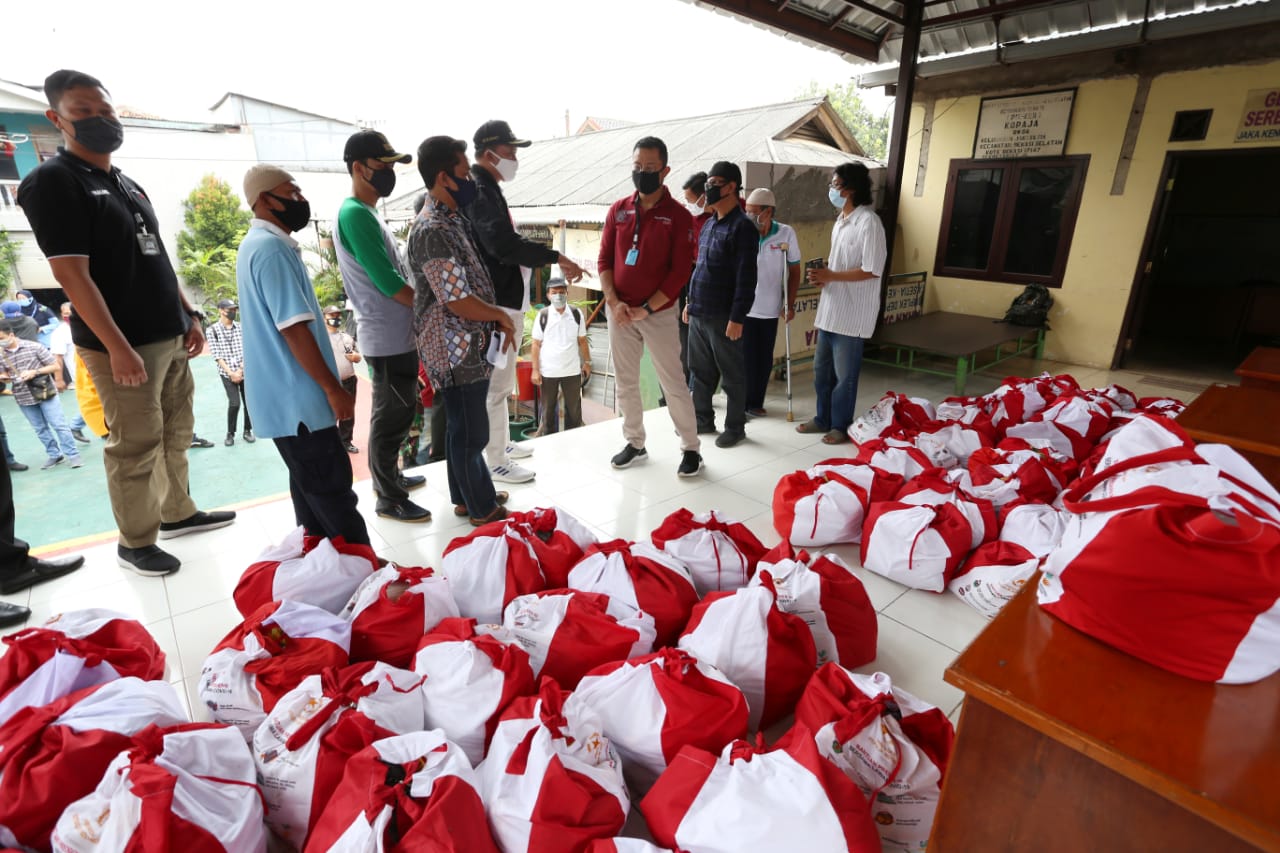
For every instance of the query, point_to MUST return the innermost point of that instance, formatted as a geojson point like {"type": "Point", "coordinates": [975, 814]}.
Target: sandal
{"type": "Point", "coordinates": [498, 514]}
{"type": "Point", "coordinates": [835, 436]}
{"type": "Point", "coordinates": [460, 510]}
{"type": "Point", "coordinates": [809, 427]}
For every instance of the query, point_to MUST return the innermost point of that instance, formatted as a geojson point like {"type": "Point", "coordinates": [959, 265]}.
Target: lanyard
{"type": "Point", "coordinates": [130, 200]}
{"type": "Point", "coordinates": [635, 235]}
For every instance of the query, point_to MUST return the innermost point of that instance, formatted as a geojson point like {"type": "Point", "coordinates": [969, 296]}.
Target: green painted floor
{"type": "Point", "coordinates": [65, 504]}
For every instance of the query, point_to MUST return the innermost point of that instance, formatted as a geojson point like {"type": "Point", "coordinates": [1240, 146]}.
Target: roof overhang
{"type": "Point", "coordinates": [808, 21]}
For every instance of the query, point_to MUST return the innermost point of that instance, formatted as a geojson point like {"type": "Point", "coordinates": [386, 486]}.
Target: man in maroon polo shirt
{"type": "Point", "coordinates": [646, 251]}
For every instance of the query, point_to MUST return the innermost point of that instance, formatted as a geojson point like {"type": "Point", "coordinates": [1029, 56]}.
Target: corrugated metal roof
{"type": "Point", "coordinates": [582, 173]}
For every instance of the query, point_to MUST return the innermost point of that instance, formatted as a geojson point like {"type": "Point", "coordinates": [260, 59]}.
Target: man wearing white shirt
{"type": "Point", "coordinates": [849, 304]}
{"type": "Point", "coordinates": [64, 353]}
{"type": "Point", "coordinates": [778, 256]}
{"type": "Point", "coordinates": [560, 356]}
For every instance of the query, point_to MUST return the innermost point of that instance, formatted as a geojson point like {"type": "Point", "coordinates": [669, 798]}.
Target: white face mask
{"type": "Point", "coordinates": [506, 168]}
{"type": "Point", "coordinates": [694, 208]}
{"type": "Point", "coordinates": [558, 300]}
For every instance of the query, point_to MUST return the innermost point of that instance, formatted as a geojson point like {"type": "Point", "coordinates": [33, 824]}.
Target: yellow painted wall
{"type": "Point", "coordinates": [1109, 231]}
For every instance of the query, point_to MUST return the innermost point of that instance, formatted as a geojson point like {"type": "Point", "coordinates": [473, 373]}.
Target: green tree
{"type": "Point", "coordinates": [325, 278]}
{"type": "Point", "coordinates": [871, 131]}
{"type": "Point", "coordinates": [215, 225]}
{"type": "Point", "coordinates": [8, 261]}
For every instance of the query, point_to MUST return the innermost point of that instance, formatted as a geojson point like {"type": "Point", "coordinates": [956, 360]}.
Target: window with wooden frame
{"type": "Point", "coordinates": [1010, 220]}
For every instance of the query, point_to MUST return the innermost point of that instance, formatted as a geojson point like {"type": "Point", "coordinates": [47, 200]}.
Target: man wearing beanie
{"type": "Point", "coordinates": [132, 326]}
{"type": "Point", "coordinates": [291, 377]}
{"type": "Point", "coordinates": [720, 295]}
{"type": "Point", "coordinates": [377, 286]}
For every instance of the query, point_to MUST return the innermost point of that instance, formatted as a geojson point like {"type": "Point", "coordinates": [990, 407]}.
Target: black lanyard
{"type": "Point", "coordinates": [138, 214]}
{"type": "Point", "coordinates": [635, 235]}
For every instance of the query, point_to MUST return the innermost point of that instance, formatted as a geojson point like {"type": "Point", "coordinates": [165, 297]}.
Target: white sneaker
{"type": "Point", "coordinates": [511, 473]}
{"type": "Point", "coordinates": [519, 450]}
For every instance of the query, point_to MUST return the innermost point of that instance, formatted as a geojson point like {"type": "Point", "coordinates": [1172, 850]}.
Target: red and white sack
{"type": "Point", "coordinates": [893, 746]}
{"type": "Point", "coordinates": [313, 570]}
{"type": "Point", "coordinates": [623, 845]}
{"type": "Point", "coordinates": [993, 575]}
{"type": "Point", "coordinates": [894, 456]}
{"type": "Point", "coordinates": [414, 791]}
{"type": "Point", "coordinates": [1169, 407]}
{"type": "Point", "coordinates": [1016, 401]}
{"type": "Point", "coordinates": [488, 568]}
{"type": "Point", "coordinates": [391, 611]}
{"type": "Point", "coordinates": [1072, 425]}
{"type": "Point", "coordinates": [650, 707]}
{"type": "Point", "coordinates": [895, 415]}
{"type": "Point", "coordinates": [1120, 398]}
{"type": "Point", "coordinates": [266, 656]}
{"type": "Point", "coordinates": [73, 651]}
{"type": "Point", "coordinates": [951, 444]}
{"type": "Point", "coordinates": [971, 412]}
{"type": "Point", "coordinates": [1035, 527]}
{"type": "Point", "coordinates": [933, 488]}
{"type": "Point", "coordinates": [552, 782]}
{"type": "Point", "coordinates": [638, 574]}
{"type": "Point", "coordinates": [787, 797]}
{"type": "Point", "coordinates": [826, 504]}
{"type": "Point", "coordinates": [315, 729]}
{"type": "Point", "coordinates": [472, 678]}
{"type": "Point", "coordinates": [1131, 568]}
{"type": "Point", "coordinates": [720, 553]}
{"type": "Point", "coordinates": [1003, 477]}
{"type": "Point", "coordinates": [824, 592]}
{"type": "Point", "coordinates": [52, 755]}
{"type": "Point", "coordinates": [185, 789]}
{"type": "Point", "coordinates": [920, 546]}
{"type": "Point", "coordinates": [558, 540]}
{"type": "Point", "coordinates": [568, 633]}
{"type": "Point", "coordinates": [767, 653]}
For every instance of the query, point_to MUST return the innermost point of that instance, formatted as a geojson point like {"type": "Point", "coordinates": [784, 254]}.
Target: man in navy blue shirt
{"type": "Point", "coordinates": [720, 295]}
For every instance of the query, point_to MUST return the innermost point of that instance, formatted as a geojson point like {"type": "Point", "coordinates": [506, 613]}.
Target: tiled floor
{"type": "Point", "coordinates": [920, 632]}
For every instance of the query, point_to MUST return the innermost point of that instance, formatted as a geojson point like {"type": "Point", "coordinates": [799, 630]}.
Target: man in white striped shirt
{"type": "Point", "coordinates": [849, 304]}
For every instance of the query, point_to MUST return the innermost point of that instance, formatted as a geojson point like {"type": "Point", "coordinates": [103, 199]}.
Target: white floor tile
{"type": "Point", "coordinates": [162, 630]}
{"type": "Point", "coordinates": [198, 631]}
{"type": "Point", "coordinates": [139, 597]}
{"type": "Point", "coordinates": [938, 615]}
{"type": "Point", "coordinates": [602, 502]}
{"type": "Point", "coordinates": [914, 662]}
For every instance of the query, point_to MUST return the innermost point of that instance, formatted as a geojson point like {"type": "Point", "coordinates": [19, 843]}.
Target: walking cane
{"type": "Point", "coordinates": [786, 318]}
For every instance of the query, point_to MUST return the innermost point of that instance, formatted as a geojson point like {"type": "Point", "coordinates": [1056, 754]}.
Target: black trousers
{"type": "Point", "coordinates": [758, 339]}
{"type": "Point", "coordinates": [439, 431]}
{"type": "Point", "coordinates": [320, 484]}
{"type": "Point", "coordinates": [347, 428]}
{"type": "Point", "coordinates": [395, 400]}
{"type": "Point", "coordinates": [568, 387]}
{"type": "Point", "coordinates": [13, 551]}
{"type": "Point", "coordinates": [716, 360]}
{"type": "Point", "coordinates": [235, 396]}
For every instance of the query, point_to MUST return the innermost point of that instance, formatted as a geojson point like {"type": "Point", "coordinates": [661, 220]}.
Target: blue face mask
{"type": "Point", "coordinates": [837, 200]}
{"type": "Point", "coordinates": [465, 193]}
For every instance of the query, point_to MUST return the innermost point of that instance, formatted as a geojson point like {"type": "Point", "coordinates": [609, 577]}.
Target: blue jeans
{"type": "Point", "coordinates": [51, 428]}
{"type": "Point", "coordinates": [4, 444]}
{"type": "Point", "coordinates": [836, 366]}
{"type": "Point", "coordinates": [466, 434]}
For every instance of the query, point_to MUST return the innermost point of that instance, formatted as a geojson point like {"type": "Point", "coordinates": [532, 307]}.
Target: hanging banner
{"type": "Point", "coordinates": [1024, 126]}
{"type": "Point", "coordinates": [1260, 120]}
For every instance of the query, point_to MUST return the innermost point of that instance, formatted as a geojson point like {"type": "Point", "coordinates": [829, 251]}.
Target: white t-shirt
{"type": "Point", "coordinates": [852, 307]}
{"type": "Point", "coordinates": [769, 270]}
{"type": "Point", "coordinates": [558, 356]}
{"type": "Point", "coordinates": [60, 344]}
{"type": "Point", "coordinates": [342, 344]}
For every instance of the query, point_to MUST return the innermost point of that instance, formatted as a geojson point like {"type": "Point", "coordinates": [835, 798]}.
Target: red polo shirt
{"type": "Point", "coordinates": [664, 251]}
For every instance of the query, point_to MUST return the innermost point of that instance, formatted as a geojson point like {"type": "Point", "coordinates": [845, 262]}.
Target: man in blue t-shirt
{"type": "Point", "coordinates": [291, 377]}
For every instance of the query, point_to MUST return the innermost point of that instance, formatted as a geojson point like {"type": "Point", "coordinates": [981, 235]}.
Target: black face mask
{"type": "Point", "coordinates": [231, 315]}
{"type": "Point", "coordinates": [99, 134]}
{"type": "Point", "coordinates": [296, 214]}
{"type": "Point", "coordinates": [383, 181]}
{"type": "Point", "coordinates": [465, 193]}
{"type": "Point", "coordinates": [714, 193]}
{"type": "Point", "coordinates": [334, 321]}
{"type": "Point", "coordinates": [646, 182]}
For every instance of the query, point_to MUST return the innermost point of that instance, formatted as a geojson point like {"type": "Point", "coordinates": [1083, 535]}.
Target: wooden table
{"type": "Point", "coordinates": [1261, 369]}
{"type": "Point", "coordinates": [1066, 744]}
{"type": "Point", "coordinates": [1247, 419]}
{"type": "Point", "coordinates": [958, 337]}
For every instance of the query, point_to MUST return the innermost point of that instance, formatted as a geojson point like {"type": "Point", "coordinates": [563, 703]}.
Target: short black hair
{"type": "Point", "coordinates": [697, 182]}
{"type": "Point", "coordinates": [57, 83]}
{"type": "Point", "coordinates": [653, 143]}
{"type": "Point", "coordinates": [438, 154]}
{"type": "Point", "coordinates": [856, 177]}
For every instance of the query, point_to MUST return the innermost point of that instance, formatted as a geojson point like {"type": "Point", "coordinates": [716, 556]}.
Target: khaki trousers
{"type": "Point", "coordinates": [659, 332]}
{"type": "Point", "coordinates": [150, 431]}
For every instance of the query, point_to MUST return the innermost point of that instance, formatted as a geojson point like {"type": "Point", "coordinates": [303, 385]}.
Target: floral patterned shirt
{"type": "Point", "coordinates": [446, 267]}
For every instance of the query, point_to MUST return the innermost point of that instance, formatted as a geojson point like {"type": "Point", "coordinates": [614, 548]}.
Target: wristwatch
{"type": "Point", "coordinates": [195, 313]}
{"type": "Point", "coordinates": [645, 306]}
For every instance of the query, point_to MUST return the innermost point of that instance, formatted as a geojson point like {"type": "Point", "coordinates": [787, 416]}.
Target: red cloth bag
{"type": "Point", "coordinates": [894, 415]}
{"type": "Point", "coordinates": [993, 575]}
{"type": "Point", "coordinates": [894, 456]}
{"type": "Point", "coordinates": [826, 504]}
{"type": "Point", "coordinates": [721, 553]}
{"type": "Point", "coordinates": [558, 540]}
{"type": "Point", "coordinates": [310, 569]}
{"type": "Point", "coordinates": [640, 575]}
{"type": "Point", "coordinates": [920, 546]}
{"type": "Point", "coordinates": [488, 568]}
{"type": "Point", "coordinates": [391, 611]}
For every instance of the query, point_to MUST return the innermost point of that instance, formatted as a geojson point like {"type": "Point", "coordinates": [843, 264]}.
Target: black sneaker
{"type": "Point", "coordinates": [350, 448]}
{"type": "Point", "coordinates": [729, 439]}
{"type": "Point", "coordinates": [407, 511]}
{"type": "Point", "coordinates": [230, 439]}
{"type": "Point", "coordinates": [690, 464]}
{"type": "Point", "coordinates": [79, 436]}
{"type": "Point", "coordinates": [249, 437]}
{"type": "Point", "coordinates": [627, 455]}
{"type": "Point", "coordinates": [195, 524]}
{"type": "Point", "coordinates": [148, 561]}
{"type": "Point", "coordinates": [707, 429]}
{"type": "Point", "coordinates": [197, 441]}
{"type": "Point", "coordinates": [409, 482]}
{"type": "Point", "coordinates": [18, 466]}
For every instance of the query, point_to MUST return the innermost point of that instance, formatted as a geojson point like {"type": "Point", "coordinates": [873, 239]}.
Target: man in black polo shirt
{"type": "Point", "coordinates": [132, 326]}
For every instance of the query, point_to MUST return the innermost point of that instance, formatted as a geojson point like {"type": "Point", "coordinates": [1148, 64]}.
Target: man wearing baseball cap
{"type": "Point", "coordinates": [292, 379]}
{"type": "Point", "coordinates": [377, 285]}
{"type": "Point", "coordinates": [778, 257]}
{"type": "Point", "coordinates": [504, 252]}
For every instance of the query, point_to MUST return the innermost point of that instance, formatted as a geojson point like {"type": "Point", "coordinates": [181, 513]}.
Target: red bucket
{"type": "Point", "coordinates": [524, 380]}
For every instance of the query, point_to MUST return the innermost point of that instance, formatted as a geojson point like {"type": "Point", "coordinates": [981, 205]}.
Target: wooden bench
{"type": "Point", "coordinates": [1261, 369]}
{"type": "Point", "coordinates": [1066, 744]}
{"type": "Point", "coordinates": [970, 342]}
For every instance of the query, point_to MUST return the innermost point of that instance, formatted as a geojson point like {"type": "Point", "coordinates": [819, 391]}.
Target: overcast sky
{"type": "Point", "coordinates": [417, 69]}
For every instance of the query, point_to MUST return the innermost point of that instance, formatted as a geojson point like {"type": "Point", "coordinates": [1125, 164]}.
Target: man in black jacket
{"type": "Point", "coordinates": [504, 252]}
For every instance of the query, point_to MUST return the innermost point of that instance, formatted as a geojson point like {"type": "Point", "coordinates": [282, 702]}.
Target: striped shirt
{"type": "Point", "coordinates": [852, 307]}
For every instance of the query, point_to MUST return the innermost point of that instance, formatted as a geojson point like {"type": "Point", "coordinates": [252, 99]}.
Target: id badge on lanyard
{"type": "Point", "coordinates": [633, 255]}
{"type": "Point", "coordinates": [148, 243]}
